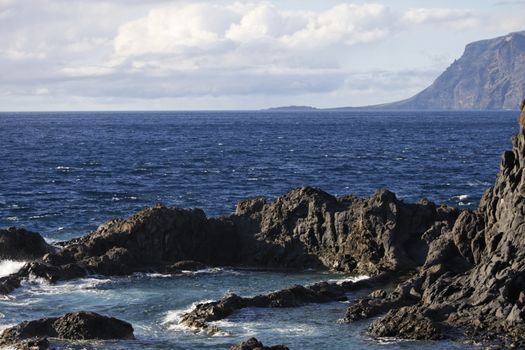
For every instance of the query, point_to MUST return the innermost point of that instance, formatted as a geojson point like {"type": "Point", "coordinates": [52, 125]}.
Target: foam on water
{"type": "Point", "coordinates": [8, 267]}
{"type": "Point", "coordinates": [349, 279]}
{"type": "Point", "coordinates": [40, 286]}
{"type": "Point", "coordinates": [172, 318]}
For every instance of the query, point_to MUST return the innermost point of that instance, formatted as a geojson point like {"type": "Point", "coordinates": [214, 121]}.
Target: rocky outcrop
{"type": "Point", "coordinates": [310, 228]}
{"type": "Point", "coordinates": [72, 326]}
{"type": "Point", "coordinates": [22, 245]}
{"type": "Point", "coordinates": [254, 344]}
{"type": "Point", "coordinates": [473, 276]}
{"type": "Point", "coordinates": [293, 296]}
{"type": "Point", "coordinates": [305, 228]}
{"type": "Point", "coordinates": [405, 323]}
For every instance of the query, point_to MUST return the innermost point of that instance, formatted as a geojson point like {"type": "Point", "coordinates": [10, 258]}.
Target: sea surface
{"type": "Point", "coordinates": [63, 174]}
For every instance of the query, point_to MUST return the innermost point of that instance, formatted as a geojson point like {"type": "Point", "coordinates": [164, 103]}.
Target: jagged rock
{"type": "Point", "coordinates": [310, 228]}
{"type": "Point", "coordinates": [293, 296]}
{"type": "Point", "coordinates": [405, 323]}
{"type": "Point", "coordinates": [72, 326]}
{"type": "Point", "coordinates": [473, 276]}
{"type": "Point", "coordinates": [305, 228]}
{"type": "Point", "coordinates": [20, 244]}
{"type": "Point", "coordinates": [254, 344]}
{"type": "Point", "coordinates": [186, 265]}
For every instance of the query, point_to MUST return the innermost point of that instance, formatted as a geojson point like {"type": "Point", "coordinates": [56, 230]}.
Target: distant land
{"type": "Point", "coordinates": [293, 108]}
{"type": "Point", "coordinates": [490, 75]}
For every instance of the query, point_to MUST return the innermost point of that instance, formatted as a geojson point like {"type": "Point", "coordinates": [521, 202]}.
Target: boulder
{"type": "Point", "coordinates": [405, 323]}
{"type": "Point", "coordinates": [254, 344]}
{"type": "Point", "coordinates": [72, 326]}
{"type": "Point", "coordinates": [21, 245]}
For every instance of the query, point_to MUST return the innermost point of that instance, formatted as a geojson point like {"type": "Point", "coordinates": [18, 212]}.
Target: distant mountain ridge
{"type": "Point", "coordinates": [490, 75]}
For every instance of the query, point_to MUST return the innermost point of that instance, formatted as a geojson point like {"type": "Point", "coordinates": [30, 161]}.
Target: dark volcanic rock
{"type": "Point", "coordinates": [254, 344]}
{"type": "Point", "coordinates": [293, 296]}
{"type": "Point", "coordinates": [305, 228]}
{"type": "Point", "coordinates": [20, 244]}
{"type": "Point", "coordinates": [473, 275]}
{"type": "Point", "coordinates": [405, 323]}
{"type": "Point", "coordinates": [186, 265]}
{"type": "Point", "coordinates": [73, 326]}
{"type": "Point", "coordinates": [89, 325]}
{"type": "Point", "coordinates": [310, 228]}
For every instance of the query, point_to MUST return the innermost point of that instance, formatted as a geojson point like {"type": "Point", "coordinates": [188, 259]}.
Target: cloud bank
{"type": "Point", "coordinates": [191, 55]}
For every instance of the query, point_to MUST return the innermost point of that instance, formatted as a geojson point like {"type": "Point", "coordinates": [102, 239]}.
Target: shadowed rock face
{"type": "Point", "coordinates": [305, 228]}
{"type": "Point", "coordinates": [72, 326]}
{"type": "Point", "coordinates": [20, 244]}
{"type": "Point", "coordinates": [310, 228]}
{"type": "Point", "coordinates": [254, 344]}
{"type": "Point", "coordinates": [293, 296]}
{"type": "Point", "coordinates": [474, 274]}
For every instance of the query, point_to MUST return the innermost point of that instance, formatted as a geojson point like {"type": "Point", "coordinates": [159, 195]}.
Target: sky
{"type": "Point", "coordinates": [225, 55]}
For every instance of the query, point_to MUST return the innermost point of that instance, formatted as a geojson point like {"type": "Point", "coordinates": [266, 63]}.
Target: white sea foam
{"type": "Point", "coordinates": [39, 286]}
{"type": "Point", "coordinates": [349, 279]}
{"type": "Point", "coordinates": [172, 318]}
{"type": "Point", "coordinates": [461, 197]}
{"type": "Point", "coordinates": [3, 327]}
{"type": "Point", "coordinates": [8, 267]}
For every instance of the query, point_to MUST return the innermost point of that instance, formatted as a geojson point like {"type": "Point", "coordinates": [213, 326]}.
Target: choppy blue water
{"type": "Point", "coordinates": [62, 174]}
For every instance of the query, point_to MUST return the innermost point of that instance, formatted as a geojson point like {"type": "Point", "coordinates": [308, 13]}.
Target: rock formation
{"type": "Point", "coordinates": [293, 296]}
{"type": "Point", "coordinates": [72, 326]}
{"type": "Point", "coordinates": [473, 276]}
{"type": "Point", "coordinates": [254, 344]}
{"type": "Point", "coordinates": [21, 245]}
{"type": "Point", "coordinates": [305, 228]}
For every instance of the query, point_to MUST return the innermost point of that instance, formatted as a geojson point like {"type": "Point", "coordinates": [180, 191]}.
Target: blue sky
{"type": "Point", "coordinates": [187, 55]}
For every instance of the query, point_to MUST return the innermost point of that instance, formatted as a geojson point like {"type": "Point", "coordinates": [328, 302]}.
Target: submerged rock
{"type": "Point", "coordinates": [72, 326]}
{"type": "Point", "coordinates": [254, 344]}
{"type": "Point", "coordinates": [294, 296]}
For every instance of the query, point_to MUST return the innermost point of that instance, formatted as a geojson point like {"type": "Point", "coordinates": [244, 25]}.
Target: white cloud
{"type": "Point", "coordinates": [175, 29]}
{"type": "Point", "coordinates": [196, 29]}
{"type": "Point", "coordinates": [41, 91]}
{"type": "Point", "coordinates": [461, 18]}
{"type": "Point", "coordinates": [228, 51]}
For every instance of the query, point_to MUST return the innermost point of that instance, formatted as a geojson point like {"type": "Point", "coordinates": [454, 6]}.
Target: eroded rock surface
{"type": "Point", "coordinates": [293, 296]}
{"type": "Point", "coordinates": [473, 275]}
{"type": "Point", "coordinates": [72, 326]}
{"type": "Point", "coordinates": [254, 344]}
{"type": "Point", "coordinates": [305, 228]}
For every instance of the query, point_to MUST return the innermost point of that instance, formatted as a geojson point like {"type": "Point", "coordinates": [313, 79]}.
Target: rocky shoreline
{"type": "Point", "coordinates": [451, 269]}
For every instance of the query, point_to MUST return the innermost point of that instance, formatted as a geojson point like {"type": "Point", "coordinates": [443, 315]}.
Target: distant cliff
{"type": "Point", "coordinates": [489, 75]}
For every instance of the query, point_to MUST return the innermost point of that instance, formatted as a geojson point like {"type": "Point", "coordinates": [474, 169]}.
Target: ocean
{"type": "Point", "coordinates": [63, 174]}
